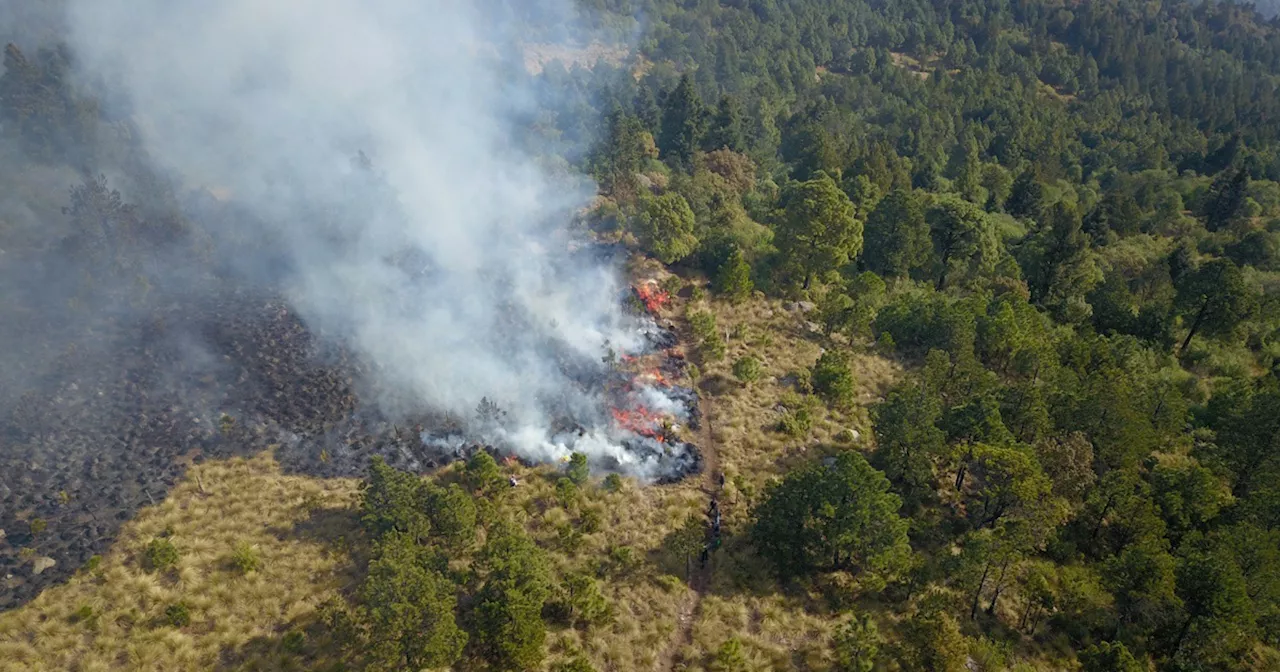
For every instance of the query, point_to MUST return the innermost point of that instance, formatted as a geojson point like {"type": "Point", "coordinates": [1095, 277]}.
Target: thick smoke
{"type": "Point", "coordinates": [376, 146]}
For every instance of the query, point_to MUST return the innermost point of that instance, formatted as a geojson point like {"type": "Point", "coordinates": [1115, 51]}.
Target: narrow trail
{"type": "Point", "coordinates": [700, 579]}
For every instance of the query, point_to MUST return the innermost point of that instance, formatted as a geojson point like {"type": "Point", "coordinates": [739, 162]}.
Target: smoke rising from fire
{"type": "Point", "coordinates": [375, 145]}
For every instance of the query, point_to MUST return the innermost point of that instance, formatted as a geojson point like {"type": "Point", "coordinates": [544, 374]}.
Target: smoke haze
{"type": "Point", "coordinates": [434, 253]}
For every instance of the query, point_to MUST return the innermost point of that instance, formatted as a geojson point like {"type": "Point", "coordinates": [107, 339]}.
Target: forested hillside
{"type": "Point", "coordinates": [1062, 218]}
{"type": "Point", "coordinates": [983, 300]}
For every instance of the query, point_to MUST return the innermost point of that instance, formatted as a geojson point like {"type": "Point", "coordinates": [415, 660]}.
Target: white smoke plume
{"type": "Point", "coordinates": [461, 289]}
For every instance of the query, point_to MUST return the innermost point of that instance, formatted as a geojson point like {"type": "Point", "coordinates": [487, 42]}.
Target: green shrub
{"type": "Point", "coordinates": [579, 470]}
{"type": "Point", "coordinates": [245, 558]}
{"type": "Point", "coordinates": [797, 414]}
{"type": "Point", "coordinates": [160, 555]}
{"type": "Point", "coordinates": [832, 379]}
{"type": "Point", "coordinates": [713, 348]}
{"type": "Point", "coordinates": [747, 369]}
{"type": "Point", "coordinates": [590, 521]}
{"type": "Point", "coordinates": [566, 493]}
{"type": "Point", "coordinates": [703, 324]}
{"type": "Point", "coordinates": [795, 423]}
{"type": "Point", "coordinates": [613, 483]}
{"type": "Point", "coordinates": [178, 615]}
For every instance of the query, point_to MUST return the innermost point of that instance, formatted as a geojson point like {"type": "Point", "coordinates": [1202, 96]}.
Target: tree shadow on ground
{"type": "Point", "coordinates": [302, 645]}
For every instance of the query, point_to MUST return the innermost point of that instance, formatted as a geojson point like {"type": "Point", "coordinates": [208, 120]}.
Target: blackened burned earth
{"type": "Point", "coordinates": [237, 375]}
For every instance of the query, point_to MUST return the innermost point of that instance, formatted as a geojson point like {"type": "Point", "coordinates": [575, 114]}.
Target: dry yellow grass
{"type": "Point", "coordinates": [295, 524]}
{"type": "Point", "coordinates": [247, 501]}
{"type": "Point", "coordinates": [645, 601]}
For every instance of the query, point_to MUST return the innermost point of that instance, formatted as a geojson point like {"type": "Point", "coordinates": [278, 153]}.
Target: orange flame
{"type": "Point", "coordinates": [640, 420]}
{"type": "Point", "coordinates": [654, 297]}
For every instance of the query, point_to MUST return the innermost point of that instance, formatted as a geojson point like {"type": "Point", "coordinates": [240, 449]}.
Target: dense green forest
{"type": "Point", "coordinates": [1063, 219]}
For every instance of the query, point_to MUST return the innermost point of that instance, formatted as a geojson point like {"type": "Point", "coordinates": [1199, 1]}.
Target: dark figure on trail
{"type": "Point", "coordinates": [722, 479]}
{"type": "Point", "coordinates": [702, 557]}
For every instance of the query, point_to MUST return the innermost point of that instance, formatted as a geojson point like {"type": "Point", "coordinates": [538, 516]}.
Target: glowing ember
{"type": "Point", "coordinates": [654, 297]}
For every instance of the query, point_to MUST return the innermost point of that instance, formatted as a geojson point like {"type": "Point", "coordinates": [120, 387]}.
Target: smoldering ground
{"type": "Point", "coordinates": [329, 229]}
{"type": "Point", "coordinates": [432, 254]}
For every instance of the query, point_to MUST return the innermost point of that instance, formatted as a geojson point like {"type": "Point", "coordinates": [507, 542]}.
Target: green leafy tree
{"type": "Point", "coordinates": [733, 278]}
{"type": "Point", "coordinates": [837, 516]}
{"type": "Point", "coordinates": [579, 470]}
{"type": "Point", "coordinates": [1059, 266]}
{"type": "Point", "coordinates": [664, 227]}
{"type": "Point", "coordinates": [1215, 630]}
{"type": "Point", "coordinates": [684, 121]}
{"type": "Point", "coordinates": [390, 501]}
{"type": "Point", "coordinates": [962, 234]}
{"type": "Point", "coordinates": [832, 379]}
{"type": "Point", "coordinates": [726, 131]}
{"type": "Point", "coordinates": [687, 540]}
{"type": "Point", "coordinates": [619, 154]}
{"type": "Point", "coordinates": [1215, 298]}
{"type": "Point", "coordinates": [482, 474]}
{"type": "Point", "coordinates": [931, 640]}
{"type": "Point", "coordinates": [410, 608]}
{"type": "Point", "coordinates": [897, 236]}
{"type": "Point", "coordinates": [508, 626]}
{"type": "Point", "coordinates": [1225, 203]}
{"type": "Point", "coordinates": [908, 436]}
{"type": "Point", "coordinates": [1068, 462]}
{"type": "Point", "coordinates": [1109, 657]}
{"type": "Point", "coordinates": [452, 513]}
{"type": "Point", "coordinates": [1245, 416]}
{"type": "Point", "coordinates": [857, 645]}
{"type": "Point", "coordinates": [1026, 196]}
{"type": "Point", "coordinates": [817, 231]}
{"type": "Point", "coordinates": [1141, 577]}
{"type": "Point", "coordinates": [747, 369]}
{"type": "Point", "coordinates": [1009, 481]}
{"type": "Point", "coordinates": [1189, 497]}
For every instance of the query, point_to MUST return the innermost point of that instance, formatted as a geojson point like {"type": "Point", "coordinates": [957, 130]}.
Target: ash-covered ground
{"type": "Point", "coordinates": [111, 423]}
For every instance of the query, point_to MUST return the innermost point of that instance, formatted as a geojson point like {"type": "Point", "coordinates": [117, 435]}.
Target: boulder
{"type": "Point", "coordinates": [42, 563]}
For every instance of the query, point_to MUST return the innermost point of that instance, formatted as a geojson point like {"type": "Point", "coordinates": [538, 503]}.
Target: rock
{"type": "Point", "coordinates": [790, 306]}
{"type": "Point", "coordinates": [806, 306]}
{"type": "Point", "coordinates": [848, 435]}
{"type": "Point", "coordinates": [42, 563]}
{"type": "Point", "coordinates": [813, 326]}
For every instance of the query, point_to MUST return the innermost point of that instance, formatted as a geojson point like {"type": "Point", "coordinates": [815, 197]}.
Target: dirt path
{"type": "Point", "coordinates": [700, 580]}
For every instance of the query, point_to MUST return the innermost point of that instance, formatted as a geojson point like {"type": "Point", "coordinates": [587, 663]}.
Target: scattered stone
{"type": "Point", "coordinates": [813, 326]}
{"type": "Point", "coordinates": [806, 306]}
{"type": "Point", "coordinates": [42, 563]}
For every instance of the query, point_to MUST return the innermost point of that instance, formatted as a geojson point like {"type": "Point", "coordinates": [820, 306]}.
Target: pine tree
{"type": "Point", "coordinates": [726, 131]}
{"type": "Point", "coordinates": [683, 125]}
